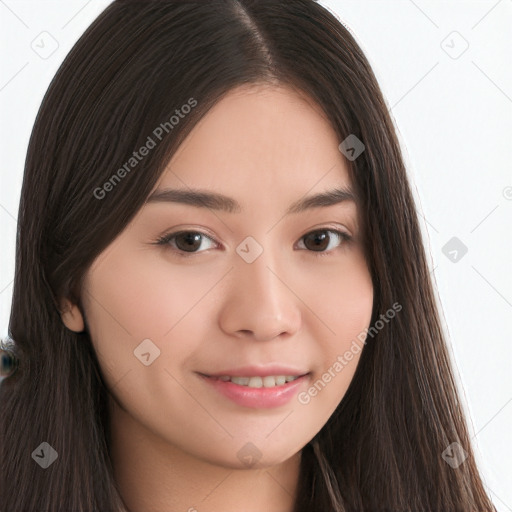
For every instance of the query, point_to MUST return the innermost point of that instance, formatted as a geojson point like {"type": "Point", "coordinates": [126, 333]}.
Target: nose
{"type": "Point", "coordinates": [260, 303]}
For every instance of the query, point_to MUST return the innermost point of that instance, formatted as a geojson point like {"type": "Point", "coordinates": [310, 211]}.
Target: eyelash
{"type": "Point", "coordinates": [165, 239]}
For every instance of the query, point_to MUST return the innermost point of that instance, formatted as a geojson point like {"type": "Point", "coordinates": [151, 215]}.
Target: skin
{"type": "Point", "coordinates": [175, 439]}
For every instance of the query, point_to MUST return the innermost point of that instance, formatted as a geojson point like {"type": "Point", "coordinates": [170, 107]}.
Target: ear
{"type": "Point", "coordinates": [71, 316]}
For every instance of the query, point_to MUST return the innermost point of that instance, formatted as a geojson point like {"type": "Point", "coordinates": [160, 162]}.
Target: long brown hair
{"type": "Point", "coordinates": [139, 61]}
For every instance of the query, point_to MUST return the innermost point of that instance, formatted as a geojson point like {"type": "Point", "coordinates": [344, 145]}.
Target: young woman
{"type": "Point", "coordinates": [221, 296]}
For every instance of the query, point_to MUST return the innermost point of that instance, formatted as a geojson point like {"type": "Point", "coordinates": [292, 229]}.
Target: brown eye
{"type": "Point", "coordinates": [323, 241]}
{"type": "Point", "coordinates": [188, 241]}
{"type": "Point", "coordinates": [317, 240]}
{"type": "Point", "coordinates": [185, 242]}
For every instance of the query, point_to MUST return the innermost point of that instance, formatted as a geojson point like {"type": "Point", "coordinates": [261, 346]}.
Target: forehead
{"type": "Point", "coordinates": [270, 137]}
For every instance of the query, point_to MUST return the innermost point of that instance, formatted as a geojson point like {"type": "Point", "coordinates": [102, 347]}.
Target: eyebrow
{"type": "Point", "coordinates": [216, 201]}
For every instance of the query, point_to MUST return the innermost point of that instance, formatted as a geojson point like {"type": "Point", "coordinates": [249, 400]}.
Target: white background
{"type": "Point", "coordinates": [453, 112]}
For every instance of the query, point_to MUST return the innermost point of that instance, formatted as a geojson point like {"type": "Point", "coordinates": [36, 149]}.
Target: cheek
{"type": "Point", "coordinates": [342, 299]}
{"type": "Point", "coordinates": [129, 298]}
{"type": "Point", "coordinates": [345, 310]}
{"type": "Point", "coordinates": [140, 296]}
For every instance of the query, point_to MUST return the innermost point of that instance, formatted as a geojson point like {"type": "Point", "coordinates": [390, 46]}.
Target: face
{"type": "Point", "coordinates": [243, 287]}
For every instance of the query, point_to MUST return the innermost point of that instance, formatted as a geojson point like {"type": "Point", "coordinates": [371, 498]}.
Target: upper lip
{"type": "Point", "coordinates": [259, 371]}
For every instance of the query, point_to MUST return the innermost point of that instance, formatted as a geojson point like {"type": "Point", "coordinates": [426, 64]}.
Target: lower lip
{"type": "Point", "coordinates": [257, 398]}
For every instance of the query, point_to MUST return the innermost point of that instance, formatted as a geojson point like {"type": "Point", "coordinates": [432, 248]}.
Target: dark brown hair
{"type": "Point", "coordinates": [134, 66]}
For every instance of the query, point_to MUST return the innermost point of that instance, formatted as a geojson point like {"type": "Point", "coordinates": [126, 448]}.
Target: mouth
{"type": "Point", "coordinates": [267, 381]}
{"type": "Point", "coordinates": [257, 391]}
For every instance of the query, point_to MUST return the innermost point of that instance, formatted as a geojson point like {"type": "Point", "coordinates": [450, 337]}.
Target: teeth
{"type": "Point", "coordinates": [256, 382]}
{"type": "Point", "coordinates": [243, 381]}
{"type": "Point", "coordinates": [269, 381]}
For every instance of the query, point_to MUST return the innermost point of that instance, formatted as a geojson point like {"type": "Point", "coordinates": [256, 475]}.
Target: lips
{"type": "Point", "coordinates": [267, 370]}
{"type": "Point", "coordinates": [257, 397]}
{"type": "Point", "coordinates": [258, 386]}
